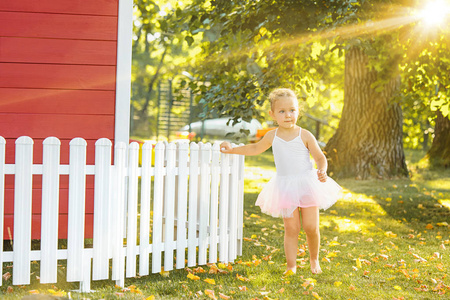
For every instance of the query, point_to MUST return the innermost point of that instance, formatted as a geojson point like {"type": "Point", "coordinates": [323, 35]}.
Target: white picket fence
{"type": "Point", "coordinates": [195, 208]}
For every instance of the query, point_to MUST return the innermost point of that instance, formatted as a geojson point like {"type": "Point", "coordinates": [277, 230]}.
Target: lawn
{"type": "Point", "coordinates": [385, 239]}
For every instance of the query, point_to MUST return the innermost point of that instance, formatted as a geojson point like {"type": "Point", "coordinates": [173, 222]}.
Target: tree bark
{"type": "Point", "coordinates": [369, 139]}
{"type": "Point", "coordinates": [439, 153]}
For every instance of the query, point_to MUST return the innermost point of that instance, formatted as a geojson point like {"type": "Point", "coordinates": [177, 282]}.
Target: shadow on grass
{"type": "Point", "coordinates": [422, 199]}
{"type": "Point", "coordinates": [416, 200]}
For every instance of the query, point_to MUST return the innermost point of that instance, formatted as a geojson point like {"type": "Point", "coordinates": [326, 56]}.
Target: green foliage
{"type": "Point", "coordinates": [161, 44]}
{"type": "Point", "coordinates": [251, 47]}
{"type": "Point", "coordinates": [240, 50]}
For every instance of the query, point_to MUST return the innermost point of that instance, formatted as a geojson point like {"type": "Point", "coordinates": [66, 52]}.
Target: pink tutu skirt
{"type": "Point", "coordinates": [283, 194]}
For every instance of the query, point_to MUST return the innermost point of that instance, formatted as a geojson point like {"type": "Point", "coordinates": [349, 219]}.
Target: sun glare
{"type": "Point", "coordinates": [435, 12]}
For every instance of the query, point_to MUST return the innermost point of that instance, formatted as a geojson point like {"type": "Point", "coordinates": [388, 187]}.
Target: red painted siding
{"type": "Point", "coordinates": [97, 7]}
{"type": "Point", "coordinates": [57, 51]}
{"type": "Point", "coordinates": [56, 101]}
{"type": "Point", "coordinates": [62, 26]}
{"type": "Point", "coordinates": [57, 78]}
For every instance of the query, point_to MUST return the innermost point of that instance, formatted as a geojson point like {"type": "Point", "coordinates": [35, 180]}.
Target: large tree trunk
{"type": "Point", "coordinates": [368, 141]}
{"type": "Point", "coordinates": [439, 153]}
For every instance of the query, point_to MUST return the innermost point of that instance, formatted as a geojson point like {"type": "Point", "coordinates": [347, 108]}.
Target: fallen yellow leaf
{"type": "Point", "coordinates": [311, 280]}
{"type": "Point", "coordinates": [241, 278]}
{"type": "Point", "coordinates": [6, 276]}
{"type": "Point", "coordinates": [337, 283]}
{"type": "Point", "coordinates": [358, 263]}
{"type": "Point", "coordinates": [210, 294]}
{"type": "Point", "coordinates": [390, 234]}
{"type": "Point", "coordinates": [210, 281]}
{"type": "Point", "coordinates": [332, 254]}
{"type": "Point", "coordinates": [223, 296]}
{"type": "Point", "coordinates": [398, 288]}
{"type": "Point", "coordinates": [199, 270]}
{"type": "Point", "coordinates": [150, 298]}
{"type": "Point", "coordinates": [230, 267]}
{"type": "Point", "coordinates": [192, 276]}
{"type": "Point", "coordinates": [289, 273]}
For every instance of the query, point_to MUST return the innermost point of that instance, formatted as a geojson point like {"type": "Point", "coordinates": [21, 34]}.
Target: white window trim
{"type": "Point", "coordinates": [123, 71]}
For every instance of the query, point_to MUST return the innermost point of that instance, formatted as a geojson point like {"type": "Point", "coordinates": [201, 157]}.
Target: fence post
{"type": "Point", "coordinates": [50, 210]}
{"type": "Point", "coordinates": [146, 184]}
{"type": "Point", "coordinates": [205, 155]}
{"type": "Point", "coordinates": [193, 204]}
{"type": "Point", "coordinates": [223, 206]}
{"type": "Point", "coordinates": [214, 201]}
{"type": "Point", "coordinates": [117, 226]}
{"type": "Point", "coordinates": [2, 199]}
{"type": "Point", "coordinates": [101, 209]}
{"type": "Point", "coordinates": [182, 203]}
{"type": "Point", "coordinates": [77, 190]}
{"type": "Point", "coordinates": [240, 234]}
{"type": "Point", "coordinates": [157, 207]}
{"type": "Point", "coordinates": [132, 208]}
{"type": "Point", "coordinates": [169, 207]}
{"type": "Point", "coordinates": [232, 242]}
{"type": "Point", "coordinates": [85, 283]}
{"type": "Point", "coordinates": [22, 210]}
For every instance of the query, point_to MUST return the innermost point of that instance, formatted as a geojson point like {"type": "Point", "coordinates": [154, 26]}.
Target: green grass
{"type": "Point", "coordinates": [382, 240]}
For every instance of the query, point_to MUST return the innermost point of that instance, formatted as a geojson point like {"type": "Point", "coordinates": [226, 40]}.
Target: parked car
{"type": "Point", "coordinates": [219, 128]}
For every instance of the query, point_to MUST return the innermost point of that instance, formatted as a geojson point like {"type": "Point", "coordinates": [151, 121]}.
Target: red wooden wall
{"type": "Point", "coordinates": [57, 78]}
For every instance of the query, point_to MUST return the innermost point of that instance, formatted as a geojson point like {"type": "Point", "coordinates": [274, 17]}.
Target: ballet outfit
{"type": "Point", "coordinates": [295, 183]}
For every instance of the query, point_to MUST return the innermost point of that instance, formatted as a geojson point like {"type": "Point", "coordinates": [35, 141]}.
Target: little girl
{"type": "Point", "coordinates": [296, 184]}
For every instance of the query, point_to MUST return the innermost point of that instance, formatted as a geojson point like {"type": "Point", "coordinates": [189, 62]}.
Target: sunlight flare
{"type": "Point", "coordinates": [363, 29]}
{"type": "Point", "coordinates": [435, 12]}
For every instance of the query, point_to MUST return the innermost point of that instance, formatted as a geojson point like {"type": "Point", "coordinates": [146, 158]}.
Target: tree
{"type": "Point", "coordinates": [427, 87]}
{"type": "Point", "coordinates": [369, 137]}
{"type": "Point", "coordinates": [259, 26]}
{"type": "Point", "coordinates": [439, 153]}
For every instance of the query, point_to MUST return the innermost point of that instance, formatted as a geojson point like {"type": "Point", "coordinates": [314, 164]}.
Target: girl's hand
{"type": "Point", "coordinates": [322, 175]}
{"type": "Point", "coordinates": [225, 147]}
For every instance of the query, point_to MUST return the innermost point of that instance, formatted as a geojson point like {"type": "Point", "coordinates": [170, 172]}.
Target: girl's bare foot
{"type": "Point", "coordinates": [315, 267]}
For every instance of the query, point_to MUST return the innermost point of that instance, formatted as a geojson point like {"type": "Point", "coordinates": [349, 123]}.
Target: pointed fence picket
{"type": "Point", "coordinates": [190, 204]}
{"type": "Point", "coordinates": [2, 197]}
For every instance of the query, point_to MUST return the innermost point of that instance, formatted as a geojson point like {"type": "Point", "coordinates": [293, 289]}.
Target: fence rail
{"type": "Point", "coordinates": [190, 201]}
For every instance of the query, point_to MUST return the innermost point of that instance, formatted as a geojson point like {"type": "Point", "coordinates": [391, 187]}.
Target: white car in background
{"type": "Point", "coordinates": [219, 128]}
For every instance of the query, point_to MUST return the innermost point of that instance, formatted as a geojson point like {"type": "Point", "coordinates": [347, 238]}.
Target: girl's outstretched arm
{"type": "Point", "coordinates": [317, 154]}
{"type": "Point", "coordinates": [250, 149]}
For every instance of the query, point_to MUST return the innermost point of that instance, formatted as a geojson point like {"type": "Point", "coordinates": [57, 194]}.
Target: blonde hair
{"type": "Point", "coordinates": [280, 93]}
